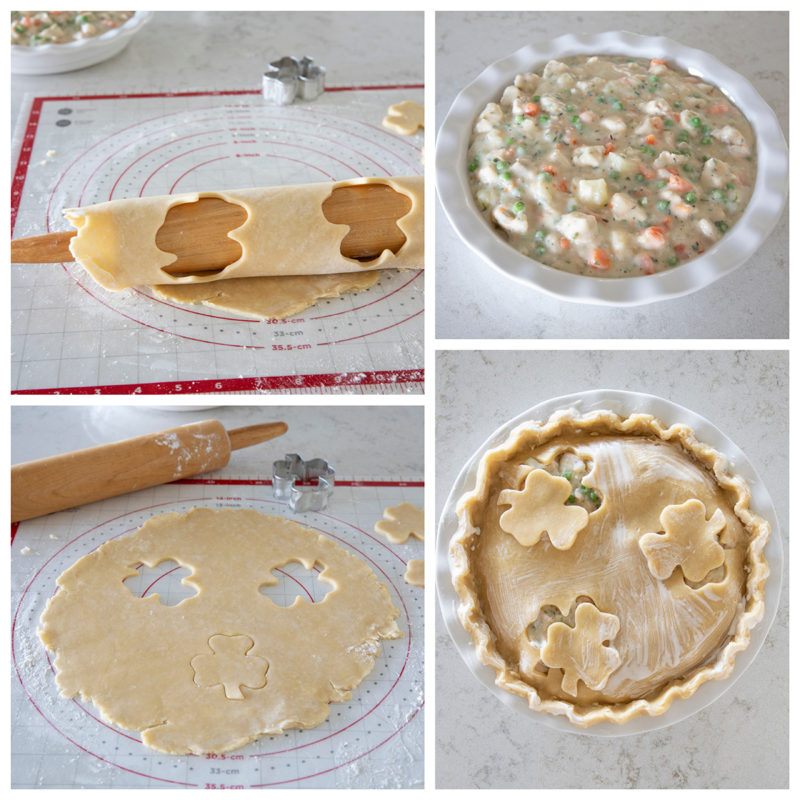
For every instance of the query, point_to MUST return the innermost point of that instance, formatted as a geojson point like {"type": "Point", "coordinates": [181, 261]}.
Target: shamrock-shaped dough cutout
{"type": "Point", "coordinates": [688, 541]}
{"type": "Point", "coordinates": [230, 666]}
{"type": "Point", "coordinates": [539, 508]}
{"type": "Point", "coordinates": [404, 118]}
{"type": "Point", "coordinates": [415, 572]}
{"type": "Point", "coordinates": [580, 651]}
{"type": "Point", "coordinates": [400, 522]}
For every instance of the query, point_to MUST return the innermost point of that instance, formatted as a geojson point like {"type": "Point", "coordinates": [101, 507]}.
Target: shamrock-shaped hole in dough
{"type": "Point", "coordinates": [209, 248]}
{"type": "Point", "coordinates": [166, 579]}
{"type": "Point", "coordinates": [583, 650]}
{"type": "Point", "coordinates": [687, 541]}
{"type": "Point", "coordinates": [550, 613]}
{"type": "Point", "coordinates": [294, 580]}
{"type": "Point", "coordinates": [576, 469]}
{"type": "Point", "coordinates": [539, 508]}
{"type": "Point", "coordinates": [372, 211]}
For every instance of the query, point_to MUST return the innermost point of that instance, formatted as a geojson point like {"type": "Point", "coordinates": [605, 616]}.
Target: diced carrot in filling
{"type": "Point", "coordinates": [649, 174]}
{"type": "Point", "coordinates": [682, 210]}
{"type": "Point", "coordinates": [655, 236]}
{"type": "Point", "coordinates": [600, 259]}
{"type": "Point", "coordinates": [679, 184]}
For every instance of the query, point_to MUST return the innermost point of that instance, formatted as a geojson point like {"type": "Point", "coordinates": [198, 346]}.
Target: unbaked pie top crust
{"type": "Point", "coordinates": [610, 609]}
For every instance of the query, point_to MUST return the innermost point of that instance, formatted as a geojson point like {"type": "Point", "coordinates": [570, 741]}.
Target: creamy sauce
{"type": "Point", "coordinates": [612, 166]}
{"type": "Point", "coordinates": [31, 28]}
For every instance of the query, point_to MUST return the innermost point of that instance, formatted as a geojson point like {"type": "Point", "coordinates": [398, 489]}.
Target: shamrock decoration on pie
{"type": "Point", "coordinates": [539, 508]}
{"type": "Point", "coordinates": [581, 651]}
{"type": "Point", "coordinates": [689, 541]}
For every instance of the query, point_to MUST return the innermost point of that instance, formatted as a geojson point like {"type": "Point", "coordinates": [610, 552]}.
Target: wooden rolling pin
{"type": "Point", "coordinates": [191, 230]}
{"type": "Point", "coordinates": [107, 470]}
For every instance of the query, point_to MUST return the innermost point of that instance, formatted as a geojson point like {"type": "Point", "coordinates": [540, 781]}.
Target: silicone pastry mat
{"type": "Point", "coordinates": [374, 740]}
{"type": "Point", "coordinates": [72, 336]}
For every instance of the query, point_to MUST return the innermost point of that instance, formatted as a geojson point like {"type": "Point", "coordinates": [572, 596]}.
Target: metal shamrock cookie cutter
{"type": "Point", "coordinates": [288, 78]}
{"type": "Point", "coordinates": [291, 469]}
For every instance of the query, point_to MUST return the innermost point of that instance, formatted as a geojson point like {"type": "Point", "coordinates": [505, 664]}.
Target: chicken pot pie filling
{"type": "Point", "coordinates": [610, 607]}
{"type": "Point", "coordinates": [612, 166]}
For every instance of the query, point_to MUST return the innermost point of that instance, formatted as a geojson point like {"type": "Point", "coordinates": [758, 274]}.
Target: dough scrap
{"type": "Point", "coordinates": [186, 675]}
{"type": "Point", "coordinates": [405, 118]}
{"type": "Point", "coordinates": [415, 572]}
{"type": "Point", "coordinates": [286, 233]}
{"type": "Point", "coordinates": [276, 297]}
{"type": "Point", "coordinates": [401, 521]}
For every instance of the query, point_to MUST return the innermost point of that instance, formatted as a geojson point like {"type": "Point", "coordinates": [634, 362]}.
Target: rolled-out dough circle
{"type": "Point", "coordinates": [226, 665]}
{"type": "Point", "coordinates": [267, 297]}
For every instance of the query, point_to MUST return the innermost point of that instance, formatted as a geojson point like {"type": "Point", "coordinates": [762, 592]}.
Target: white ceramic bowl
{"type": "Point", "coordinates": [733, 249]}
{"type": "Point", "coordinates": [47, 59]}
{"type": "Point", "coordinates": [622, 403]}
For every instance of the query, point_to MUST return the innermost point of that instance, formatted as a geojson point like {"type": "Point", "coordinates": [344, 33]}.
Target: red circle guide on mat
{"type": "Point", "coordinates": [355, 730]}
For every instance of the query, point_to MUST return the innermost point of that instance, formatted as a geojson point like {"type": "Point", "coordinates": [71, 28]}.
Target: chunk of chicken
{"type": "Point", "coordinates": [716, 174]}
{"type": "Point", "coordinates": [510, 95]}
{"type": "Point", "coordinates": [658, 106]}
{"type": "Point", "coordinates": [527, 82]}
{"type": "Point", "coordinates": [625, 166]}
{"type": "Point", "coordinates": [734, 138]}
{"type": "Point", "coordinates": [507, 219]}
{"type": "Point", "coordinates": [687, 115]}
{"type": "Point", "coordinates": [490, 117]}
{"type": "Point", "coordinates": [708, 229]}
{"type": "Point", "coordinates": [580, 229]}
{"type": "Point", "coordinates": [667, 159]}
{"type": "Point", "coordinates": [588, 156]}
{"type": "Point", "coordinates": [554, 68]}
{"type": "Point", "coordinates": [593, 192]}
{"type": "Point", "coordinates": [624, 207]}
{"type": "Point", "coordinates": [613, 124]}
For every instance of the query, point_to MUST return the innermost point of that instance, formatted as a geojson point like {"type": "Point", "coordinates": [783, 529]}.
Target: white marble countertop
{"type": "Point", "coordinates": [473, 300]}
{"type": "Point", "coordinates": [359, 442]}
{"type": "Point", "coordinates": [740, 740]}
{"type": "Point", "coordinates": [224, 50]}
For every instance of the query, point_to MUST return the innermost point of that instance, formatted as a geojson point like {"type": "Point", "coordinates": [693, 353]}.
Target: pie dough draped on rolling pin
{"type": "Point", "coordinates": [285, 233]}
